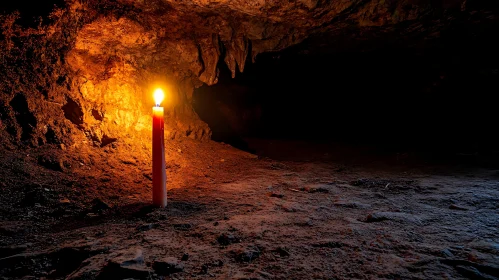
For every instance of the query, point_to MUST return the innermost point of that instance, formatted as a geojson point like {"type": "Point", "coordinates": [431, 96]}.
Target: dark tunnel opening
{"type": "Point", "coordinates": [436, 99]}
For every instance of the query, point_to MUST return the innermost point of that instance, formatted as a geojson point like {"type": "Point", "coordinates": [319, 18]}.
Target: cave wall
{"type": "Point", "coordinates": [86, 73]}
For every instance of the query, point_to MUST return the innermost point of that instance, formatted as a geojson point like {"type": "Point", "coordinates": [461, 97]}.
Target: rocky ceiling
{"type": "Point", "coordinates": [94, 63]}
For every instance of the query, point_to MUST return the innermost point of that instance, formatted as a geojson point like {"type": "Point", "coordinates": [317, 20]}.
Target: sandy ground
{"type": "Point", "coordinates": [232, 215]}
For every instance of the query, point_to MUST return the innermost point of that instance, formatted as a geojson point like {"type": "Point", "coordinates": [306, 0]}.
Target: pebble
{"type": "Point", "coordinates": [64, 201]}
{"type": "Point", "coordinates": [167, 266]}
{"type": "Point", "coordinates": [277, 195]}
{"type": "Point", "coordinates": [447, 253]}
{"type": "Point", "coordinates": [247, 255]}
{"type": "Point", "coordinates": [227, 239]}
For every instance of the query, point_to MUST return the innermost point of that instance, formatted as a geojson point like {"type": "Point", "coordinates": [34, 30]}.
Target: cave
{"type": "Point", "coordinates": [236, 139]}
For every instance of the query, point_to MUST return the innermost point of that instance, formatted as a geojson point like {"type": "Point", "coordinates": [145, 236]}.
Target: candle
{"type": "Point", "coordinates": [158, 152]}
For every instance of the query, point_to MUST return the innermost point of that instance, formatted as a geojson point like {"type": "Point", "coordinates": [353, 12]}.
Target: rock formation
{"type": "Point", "coordinates": [85, 74]}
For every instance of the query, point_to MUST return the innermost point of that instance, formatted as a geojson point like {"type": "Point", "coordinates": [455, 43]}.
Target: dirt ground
{"type": "Point", "coordinates": [305, 213]}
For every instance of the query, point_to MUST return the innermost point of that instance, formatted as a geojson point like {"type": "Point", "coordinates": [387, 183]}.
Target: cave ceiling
{"type": "Point", "coordinates": [192, 36]}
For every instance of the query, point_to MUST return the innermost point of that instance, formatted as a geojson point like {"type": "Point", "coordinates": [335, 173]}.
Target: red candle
{"type": "Point", "coordinates": [158, 152]}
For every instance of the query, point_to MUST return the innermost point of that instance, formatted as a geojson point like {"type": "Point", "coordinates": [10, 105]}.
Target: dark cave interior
{"type": "Point", "coordinates": [436, 96]}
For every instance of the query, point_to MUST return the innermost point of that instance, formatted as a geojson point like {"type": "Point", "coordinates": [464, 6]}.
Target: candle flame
{"type": "Point", "coordinates": [159, 95]}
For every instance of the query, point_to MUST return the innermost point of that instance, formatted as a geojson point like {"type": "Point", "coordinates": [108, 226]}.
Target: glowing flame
{"type": "Point", "coordinates": [159, 95]}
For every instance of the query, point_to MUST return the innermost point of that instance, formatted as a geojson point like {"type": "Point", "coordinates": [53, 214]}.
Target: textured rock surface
{"type": "Point", "coordinates": [87, 75]}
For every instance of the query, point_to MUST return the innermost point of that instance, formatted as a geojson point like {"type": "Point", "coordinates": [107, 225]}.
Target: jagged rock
{"type": "Point", "coordinates": [132, 256]}
{"type": "Point", "coordinates": [227, 239]}
{"type": "Point", "coordinates": [50, 162]}
{"type": "Point", "coordinates": [458, 207]}
{"type": "Point", "coordinates": [395, 216]}
{"type": "Point", "coordinates": [273, 194]}
{"type": "Point", "coordinates": [98, 205]}
{"type": "Point", "coordinates": [281, 252]}
{"type": "Point", "coordinates": [246, 255]}
{"type": "Point", "coordinates": [12, 250]}
{"type": "Point", "coordinates": [127, 263]}
{"type": "Point", "coordinates": [167, 266]}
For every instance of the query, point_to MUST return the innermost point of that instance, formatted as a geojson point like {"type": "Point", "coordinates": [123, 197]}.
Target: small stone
{"type": "Point", "coordinates": [129, 262]}
{"type": "Point", "coordinates": [64, 201]}
{"type": "Point", "coordinates": [277, 195]}
{"type": "Point", "coordinates": [227, 239]}
{"type": "Point", "coordinates": [51, 162]}
{"type": "Point", "coordinates": [218, 263]}
{"type": "Point", "coordinates": [167, 266]}
{"type": "Point", "coordinates": [185, 257]}
{"type": "Point", "coordinates": [281, 252]}
{"type": "Point", "coordinates": [457, 207]}
{"type": "Point", "coordinates": [222, 160]}
{"type": "Point", "coordinates": [247, 255]}
{"type": "Point", "coordinates": [204, 269]}
{"type": "Point", "coordinates": [447, 253]}
{"type": "Point", "coordinates": [182, 227]}
{"type": "Point", "coordinates": [129, 257]}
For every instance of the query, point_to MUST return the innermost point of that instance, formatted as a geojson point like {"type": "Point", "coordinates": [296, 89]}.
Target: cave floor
{"type": "Point", "coordinates": [231, 215]}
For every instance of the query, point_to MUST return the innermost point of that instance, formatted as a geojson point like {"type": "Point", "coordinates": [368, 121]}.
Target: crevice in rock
{"type": "Point", "coordinates": [24, 117]}
{"type": "Point", "coordinates": [51, 136]}
{"type": "Point", "coordinates": [106, 140]}
{"type": "Point", "coordinates": [97, 115]}
{"type": "Point", "coordinates": [73, 111]}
